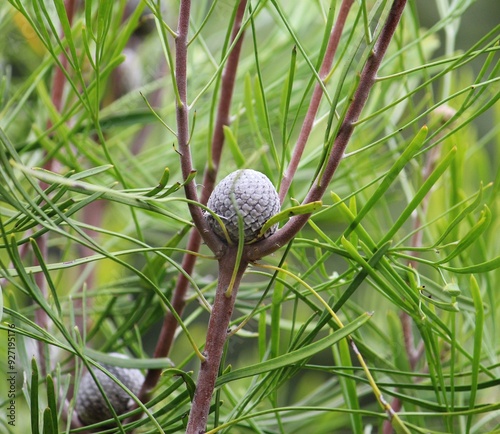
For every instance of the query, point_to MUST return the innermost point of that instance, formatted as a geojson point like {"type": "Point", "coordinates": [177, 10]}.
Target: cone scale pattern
{"type": "Point", "coordinates": [245, 194]}
{"type": "Point", "coordinates": [90, 404]}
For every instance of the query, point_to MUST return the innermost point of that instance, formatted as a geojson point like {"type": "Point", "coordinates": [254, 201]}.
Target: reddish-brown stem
{"type": "Point", "coordinates": [167, 333]}
{"type": "Point", "coordinates": [166, 338]}
{"type": "Point", "coordinates": [182, 115]}
{"type": "Point", "coordinates": [366, 81]}
{"type": "Point", "coordinates": [183, 112]}
{"type": "Point", "coordinates": [305, 131]}
{"type": "Point", "coordinates": [216, 337]}
{"type": "Point", "coordinates": [226, 95]}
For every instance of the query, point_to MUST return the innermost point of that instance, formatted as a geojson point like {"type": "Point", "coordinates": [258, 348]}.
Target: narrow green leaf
{"type": "Point", "coordinates": [450, 307]}
{"type": "Point", "coordinates": [388, 290]}
{"type": "Point", "coordinates": [307, 208]}
{"type": "Point", "coordinates": [41, 262]}
{"type": "Point", "coordinates": [250, 112]}
{"type": "Point", "coordinates": [300, 48]}
{"type": "Point", "coordinates": [361, 275]}
{"type": "Point", "coordinates": [106, 193]}
{"type": "Point", "coordinates": [41, 30]}
{"type": "Point", "coordinates": [342, 356]}
{"type": "Point", "coordinates": [261, 105]}
{"type": "Point", "coordinates": [478, 339]}
{"type": "Point", "coordinates": [178, 185]}
{"type": "Point", "coordinates": [464, 213]}
{"type": "Point", "coordinates": [286, 97]}
{"type": "Point", "coordinates": [360, 230]}
{"type": "Point", "coordinates": [415, 145]}
{"type": "Point", "coordinates": [472, 236]}
{"type": "Point", "coordinates": [129, 118]}
{"type": "Point", "coordinates": [48, 422]}
{"type": "Point", "coordinates": [172, 189]}
{"type": "Point", "coordinates": [89, 20]}
{"type": "Point", "coordinates": [276, 313]}
{"type": "Point", "coordinates": [262, 334]}
{"type": "Point", "coordinates": [186, 377]}
{"type": "Point", "coordinates": [161, 185]}
{"type": "Point", "coordinates": [35, 423]}
{"type": "Point", "coordinates": [66, 27]}
{"type": "Point", "coordinates": [142, 363]}
{"type": "Point", "coordinates": [420, 195]}
{"type": "Point", "coordinates": [483, 267]}
{"type": "Point", "coordinates": [158, 117]}
{"type": "Point", "coordinates": [52, 402]}
{"type": "Point", "coordinates": [232, 143]}
{"type": "Point", "coordinates": [353, 208]}
{"type": "Point", "coordinates": [294, 356]}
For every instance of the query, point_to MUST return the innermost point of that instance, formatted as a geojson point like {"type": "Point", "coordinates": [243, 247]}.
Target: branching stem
{"type": "Point", "coordinates": [224, 304]}
{"type": "Point", "coordinates": [367, 79]}
{"type": "Point", "coordinates": [167, 333]}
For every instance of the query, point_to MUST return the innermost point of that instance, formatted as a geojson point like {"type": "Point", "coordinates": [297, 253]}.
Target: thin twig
{"type": "Point", "coordinates": [366, 81]}
{"type": "Point", "coordinates": [182, 111]}
{"type": "Point", "coordinates": [324, 71]}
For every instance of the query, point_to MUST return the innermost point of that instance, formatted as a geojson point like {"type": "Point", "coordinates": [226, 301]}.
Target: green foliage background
{"type": "Point", "coordinates": [85, 179]}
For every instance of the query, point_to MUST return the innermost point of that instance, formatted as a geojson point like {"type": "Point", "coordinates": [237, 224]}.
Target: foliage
{"type": "Point", "coordinates": [95, 222]}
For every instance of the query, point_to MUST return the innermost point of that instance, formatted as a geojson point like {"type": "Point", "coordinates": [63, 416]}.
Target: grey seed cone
{"type": "Point", "coordinates": [251, 195]}
{"type": "Point", "coordinates": [91, 405]}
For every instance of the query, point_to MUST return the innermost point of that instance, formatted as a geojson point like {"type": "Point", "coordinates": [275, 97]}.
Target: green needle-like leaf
{"type": "Point", "coordinates": [478, 340]}
{"type": "Point", "coordinates": [307, 208]}
{"type": "Point", "coordinates": [232, 143]}
{"type": "Point", "coordinates": [294, 356]}
{"type": "Point", "coordinates": [35, 422]}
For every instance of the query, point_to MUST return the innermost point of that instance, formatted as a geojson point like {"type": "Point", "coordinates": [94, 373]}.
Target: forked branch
{"type": "Point", "coordinates": [367, 79]}
{"type": "Point", "coordinates": [223, 305]}
{"type": "Point", "coordinates": [169, 327]}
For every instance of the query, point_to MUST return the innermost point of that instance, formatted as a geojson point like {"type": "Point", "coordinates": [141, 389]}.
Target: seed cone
{"type": "Point", "coordinates": [251, 196]}
{"type": "Point", "coordinates": [91, 405]}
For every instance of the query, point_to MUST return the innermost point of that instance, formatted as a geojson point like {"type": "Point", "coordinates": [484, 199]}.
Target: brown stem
{"type": "Point", "coordinates": [367, 79]}
{"type": "Point", "coordinates": [216, 337]}
{"type": "Point", "coordinates": [226, 95]}
{"type": "Point", "coordinates": [167, 333]}
{"type": "Point", "coordinates": [305, 131]}
{"type": "Point", "coordinates": [182, 116]}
